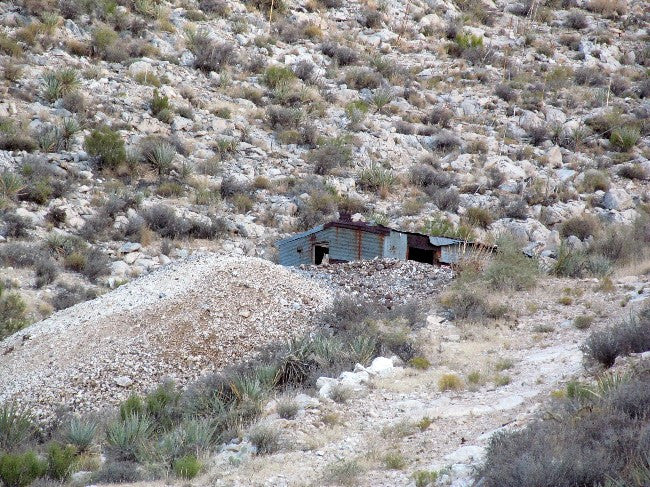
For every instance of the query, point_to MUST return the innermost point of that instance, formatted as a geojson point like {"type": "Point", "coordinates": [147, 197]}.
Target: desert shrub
{"type": "Point", "coordinates": [445, 199]}
{"type": "Point", "coordinates": [158, 152]}
{"type": "Point", "coordinates": [340, 393]}
{"type": "Point", "coordinates": [21, 469]}
{"type": "Point", "coordinates": [210, 55]}
{"type": "Point", "coordinates": [283, 117]}
{"type": "Point", "coordinates": [440, 116]}
{"type": "Point", "coordinates": [266, 439]}
{"type": "Point", "coordinates": [343, 55]}
{"type": "Point", "coordinates": [420, 363]}
{"type": "Point", "coordinates": [216, 7]}
{"type": "Point", "coordinates": [287, 408]}
{"type": "Point", "coordinates": [16, 427]}
{"type": "Point", "coordinates": [630, 336]}
{"type": "Point", "coordinates": [331, 153]}
{"type": "Point", "coordinates": [576, 20]}
{"type": "Point", "coordinates": [581, 226]}
{"type": "Point", "coordinates": [465, 303]}
{"type": "Point", "coordinates": [619, 86]}
{"type": "Point", "coordinates": [589, 77]}
{"type": "Point", "coordinates": [107, 146]}
{"type": "Point", "coordinates": [343, 472]}
{"type": "Point", "coordinates": [46, 271]}
{"type": "Point", "coordinates": [304, 70]}
{"type": "Point", "coordinates": [450, 382]}
{"type": "Point", "coordinates": [445, 141]}
{"type": "Point", "coordinates": [70, 295]}
{"type": "Point", "coordinates": [187, 467]}
{"type": "Point", "coordinates": [595, 180]}
{"type": "Point", "coordinates": [505, 92]}
{"type": "Point", "coordinates": [623, 243]}
{"type": "Point", "coordinates": [583, 322]}
{"type": "Point", "coordinates": [12, 313]}
{"type": "Point", "coordinates": [158, 103]}
{"type": "Point", "coordinates": [363, 78]}
{"type": "Point", "coordinates": [633, 171]}
{"type": "Point", "coordinates": [394, 460]}
{"type": "Point", "coordinates": [376, 178]}
{"type": "Point", "coordinates": [624, 138]}
{"type": "Point", "coordinates": [274, 76]}
{"type": "Point", "coordinates": [9, 46]}
{"type": "Point", "coordinates": [537, 134]}
{"type": "Point", "coordinates": [118, 472]}
{"type": "Point", "coordinates": [126, 437]}
{"type": "Point", "coordinates": [479, 217]}
{"type": "Point", "coordinates": [371, 18]}
{"type": "Point", "coordinates": [60, 460]}
{"type": "Point", "coordinates": [16, 226]}
{"type": "Point", "coordinates": [590, 438]}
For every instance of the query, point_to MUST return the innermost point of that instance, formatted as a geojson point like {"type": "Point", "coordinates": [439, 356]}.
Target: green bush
{"type": "Point", "coordinates": [276, 75]}
{"type": "Point", "coordinates": [511, 269]}
{"type": "Point", "coordinates": [158, 103]}
{"type": "Point", "coordinates": [12, 313]}
{"type": "Point", "coordinates": [581, 226]}
{"type": "Point", "coordinates": [187, 467]}
{"type": "Point", "coordinates": [20, 470]}
{"type": "Point", "coordinates": [625, 138]}
{"type": "Point", "coordinates": [107, 146]}
{"type": "Point", "coordinates": [479, 217]}
{"type": "Point", "coordinates": [60, 460]}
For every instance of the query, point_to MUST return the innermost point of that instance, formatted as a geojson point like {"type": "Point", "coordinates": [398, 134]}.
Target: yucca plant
{"type": "Point", "coordinates": [126, 438]}
{"type": "Point", "coordinates": [161, 156]}
{"type": "Point", "coordinates": [51, 87]}
{"type": "Point", "coordinates": [363, 349]}
{"type": "Point", "coordinates": [375, 178]}
{"type": "Point", "coordinates": [327, 350]}
{"type": "Point", "coordinates": [10, 184]}
{"type": "Point", "coordinates": [81, 433]}
{"type": "Point", "coordinates": [381, 97]}
{"type": "Point", "coordinates": [16, 426]}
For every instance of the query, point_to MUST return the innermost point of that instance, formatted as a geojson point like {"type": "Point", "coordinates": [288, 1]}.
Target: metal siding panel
{"type": "Point", "coordinates": [288, 248]}
{"type": "Point", "coordinates": [347, 244]}
{"type": "Point", "coordinates": [449, 254]}
{"type": "Point", "coordinates": [395, 246]}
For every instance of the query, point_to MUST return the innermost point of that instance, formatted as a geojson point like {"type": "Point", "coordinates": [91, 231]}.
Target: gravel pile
{"type": "Point", "coordinates": [182, 321]}
{"type": "Point", "coordinates": [387, 281]}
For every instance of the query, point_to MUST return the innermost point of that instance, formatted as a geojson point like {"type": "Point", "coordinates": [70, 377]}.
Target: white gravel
{"type": "Point", "coordinates": [181, 321]}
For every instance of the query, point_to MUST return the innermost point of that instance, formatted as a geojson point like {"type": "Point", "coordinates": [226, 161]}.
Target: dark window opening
{"type": "Point", "coordinates": [421, 255]}
{"type": "Point", "coordinates": [320, 251]}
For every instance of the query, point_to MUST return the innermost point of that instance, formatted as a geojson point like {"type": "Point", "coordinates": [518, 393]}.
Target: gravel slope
{"type": "Point", "coordinates": [182, 321]}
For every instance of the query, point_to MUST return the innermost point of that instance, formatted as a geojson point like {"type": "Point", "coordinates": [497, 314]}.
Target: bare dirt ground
{"type": "Point", "coordinates": [519, 366]}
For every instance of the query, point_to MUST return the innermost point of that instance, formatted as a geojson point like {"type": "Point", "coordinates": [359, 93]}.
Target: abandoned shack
{"type": "Point", "coordinates": [345, 240]}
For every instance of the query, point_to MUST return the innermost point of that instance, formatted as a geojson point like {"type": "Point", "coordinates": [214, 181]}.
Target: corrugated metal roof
{"type": "Point", "coordinates": [444, 241]}
{"type": "Point", "coordinates": [298, 236]}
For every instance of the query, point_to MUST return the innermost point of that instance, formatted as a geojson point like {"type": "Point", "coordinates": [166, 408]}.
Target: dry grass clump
{"type": "Point", "coordinates": [450, 382]}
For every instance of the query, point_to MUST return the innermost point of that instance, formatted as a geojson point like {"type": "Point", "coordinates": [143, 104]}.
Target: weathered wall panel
{"type": "Point", "coordinates": [395, 246]}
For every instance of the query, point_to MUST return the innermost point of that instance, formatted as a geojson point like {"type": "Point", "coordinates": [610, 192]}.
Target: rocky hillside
{"type": "Point", "coordinates": [131, 132]}
{"type": "Point", "coordinates": [151, 153]}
